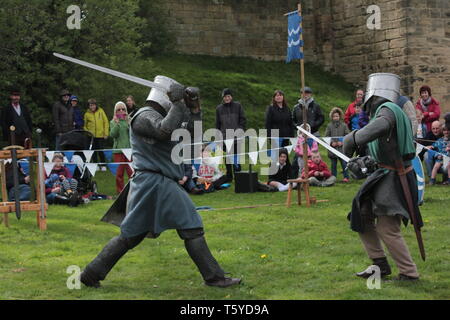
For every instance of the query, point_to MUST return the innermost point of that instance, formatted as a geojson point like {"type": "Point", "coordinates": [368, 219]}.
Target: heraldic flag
{"type": "Point", "coordinates": [294, 42]}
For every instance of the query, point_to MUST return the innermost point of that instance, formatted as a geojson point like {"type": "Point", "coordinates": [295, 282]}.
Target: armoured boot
{"type": "Point", "coordinates": [104, 262]}
{"type": "Point", "coordinates": [382, 263]}
{"type": "Point", "coordinates": [209, 268]}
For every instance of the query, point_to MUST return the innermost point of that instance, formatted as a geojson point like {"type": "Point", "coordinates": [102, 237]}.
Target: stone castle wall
{"type": "Point", "coordinates": [413, 42]}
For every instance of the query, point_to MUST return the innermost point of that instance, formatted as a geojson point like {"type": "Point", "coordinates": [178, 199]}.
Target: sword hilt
{"type": "Point", "coordinates": [13, 134]}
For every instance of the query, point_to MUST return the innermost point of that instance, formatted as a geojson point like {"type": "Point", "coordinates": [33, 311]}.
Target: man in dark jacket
{"type": "Point", "coordinates": [62, 116]}
{"type": "Point", "coordinates": [230, 115]}
{"type": "Point", "coordinates": [314, 113]}
{"type": "Point", "coordinates": [16, 114]}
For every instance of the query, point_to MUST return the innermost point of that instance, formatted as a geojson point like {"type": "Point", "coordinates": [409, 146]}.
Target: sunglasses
{"type": "Point", "coordinates": [121, 109]}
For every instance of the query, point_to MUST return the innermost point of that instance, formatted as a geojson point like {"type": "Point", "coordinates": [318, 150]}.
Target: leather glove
{"type": "Point", "coordinates": [176, 92]}
{"type": "Point", "coordinates": [360, 168]}
{"type": "Point", "coordinates": [192, 97]}
{"type": "Point", "coordinates": [350, 146]}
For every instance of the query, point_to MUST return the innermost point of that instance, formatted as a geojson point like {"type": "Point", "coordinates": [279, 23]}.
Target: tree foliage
{"type": "Point", "coordinates": [110, 35]}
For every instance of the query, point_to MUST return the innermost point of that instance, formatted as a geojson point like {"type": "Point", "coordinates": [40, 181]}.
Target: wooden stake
{"type": "Point", "coordinates": [305, 114]}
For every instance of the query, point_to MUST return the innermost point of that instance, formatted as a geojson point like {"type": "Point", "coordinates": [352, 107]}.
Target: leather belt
{"type": "Point", "coordinates": [385, 166]}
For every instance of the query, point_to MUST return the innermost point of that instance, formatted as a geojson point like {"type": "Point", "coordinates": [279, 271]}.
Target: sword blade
{"type": "Point", "coordinates": [118, 74]}
{"type": "Point", "coordinates": [324, 144]}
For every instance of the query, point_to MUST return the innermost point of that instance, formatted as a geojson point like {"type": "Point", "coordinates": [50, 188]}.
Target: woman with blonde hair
{"type": "Point", "coordinates": [120, 133]}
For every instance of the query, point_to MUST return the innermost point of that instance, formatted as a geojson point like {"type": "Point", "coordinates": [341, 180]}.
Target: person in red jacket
{"type": "Point", "coordinates": [351, 109]}
{"type": "Point", "coordinates": [319, 175]}
{"type": "Point", "coordinates": [428, 106]}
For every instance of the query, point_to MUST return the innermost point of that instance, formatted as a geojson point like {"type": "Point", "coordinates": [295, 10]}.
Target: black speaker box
{"type": "Point", "coordinates": [245, 182]}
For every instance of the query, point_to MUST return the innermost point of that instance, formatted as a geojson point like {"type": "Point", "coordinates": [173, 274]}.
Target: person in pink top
{"type": "Point", "coordinates": [298, 164]}
{"type": "Point", "coordinates": [428, 106]}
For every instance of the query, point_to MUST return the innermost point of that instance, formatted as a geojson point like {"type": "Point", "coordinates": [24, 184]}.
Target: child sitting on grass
{"type": "Point", "coordinates": [208, 176]}
{"type": "Point", "coordinates": [61, 188]}
{"type": "Point", "coordinates": [318, 174]}
{"type": "Point", "coordinates": [284, 173]}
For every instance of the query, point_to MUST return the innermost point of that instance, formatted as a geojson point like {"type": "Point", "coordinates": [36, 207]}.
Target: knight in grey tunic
{"type": "Point", "coordinates": [156, 202]}
{"type": "Point", "coordinates": [380, 205]}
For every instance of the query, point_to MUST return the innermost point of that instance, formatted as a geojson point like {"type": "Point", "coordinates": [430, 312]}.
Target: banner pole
{"type": "Point", "coordinates": [305, 113]}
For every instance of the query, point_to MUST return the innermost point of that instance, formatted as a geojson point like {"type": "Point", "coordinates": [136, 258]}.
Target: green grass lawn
{"type": "Point", "coordinates": [280, 253]}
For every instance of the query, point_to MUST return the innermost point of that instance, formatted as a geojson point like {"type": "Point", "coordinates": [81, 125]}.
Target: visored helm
{"type": "Point", "coordinates": [159, 96]}
{"type": "Point", "coordinates": [383, 85]}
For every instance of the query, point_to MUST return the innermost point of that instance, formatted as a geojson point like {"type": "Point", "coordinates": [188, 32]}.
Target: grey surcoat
{"type": "Point", "coordinates": [156, 201]}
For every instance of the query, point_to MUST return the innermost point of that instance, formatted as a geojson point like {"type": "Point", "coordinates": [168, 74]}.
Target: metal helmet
{"type": "Point", "coordinates": [385, 85]}
{"type": "Point", "coordinates": [159, 96]}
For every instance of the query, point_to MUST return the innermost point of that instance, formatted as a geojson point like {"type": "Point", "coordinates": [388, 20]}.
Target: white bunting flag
{"type": "Point", "coordinates": [50, 155]}
{"type": "Point", "coordinates": [92, 167]}
{"type": "Point", "coordinates": [293, 141]}
{"type": "Point", "coordinates": [127, 153]}
{"type": "Point", "coordinates": [253, 157]}
{"type": "Point", "coordinates": [48, 167]}
{"type": "Point", "coordinates": [215, 160]}
{"type": "Point", "coordinates": [261, 142]}
{"type": "Point", "coordinates": [419, 149]}
{"type": "Point", "coordinates": [88, 154]}
{"type": "Point", "coordinates": [327, 140]}
{"type": "Point", "coordinates": [289, 149]}
{"type": "Point", "coordinates": [229, 144]}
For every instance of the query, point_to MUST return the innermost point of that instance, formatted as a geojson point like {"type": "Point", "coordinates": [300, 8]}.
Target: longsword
{"type": "Point", "coordinates": [118, 74]}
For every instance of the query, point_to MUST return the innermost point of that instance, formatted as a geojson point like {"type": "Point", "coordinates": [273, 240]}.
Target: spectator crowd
{"type": "Point", "coordinates": [431, 129]}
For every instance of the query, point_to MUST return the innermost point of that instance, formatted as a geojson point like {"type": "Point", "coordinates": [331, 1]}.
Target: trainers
{"type": "Point", "coordinates": [345, 180]}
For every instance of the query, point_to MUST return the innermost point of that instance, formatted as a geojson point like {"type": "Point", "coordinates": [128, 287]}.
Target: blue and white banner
{"type": "Point", "coordinates": [294, 42]}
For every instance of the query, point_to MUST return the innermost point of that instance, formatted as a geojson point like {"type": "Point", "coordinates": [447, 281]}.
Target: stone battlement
{"type": "Point", "coordinates": [413, 42]}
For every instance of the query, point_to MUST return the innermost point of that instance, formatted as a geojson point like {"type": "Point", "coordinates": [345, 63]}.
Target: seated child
{"type": "Point", "coordinates": [60, 186]}
{"type": "Point", "coordinates": [285, 172]}
{"type": "Point", "coordinates": [208, 176]}
{"type": "Point", "coordinates": [441, 147]}
{"type": "Point", "coordinates": [318, 174]}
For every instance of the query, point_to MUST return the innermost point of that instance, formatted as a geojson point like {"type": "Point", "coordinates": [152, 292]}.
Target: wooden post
{"type": "Point", "coordinates": [41, 213]}
{"type": "Point", "coordinates": [289, 195]}
{"type": "Point", "coordinates": [305, 114]}
{"type": "Point", "coordinates": [4, 191]}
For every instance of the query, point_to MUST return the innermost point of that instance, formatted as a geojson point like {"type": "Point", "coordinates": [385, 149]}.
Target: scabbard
{"type": "Point", "coordinates": [15, 168]}
{"type": "Point", "coordinates": [412, 214]}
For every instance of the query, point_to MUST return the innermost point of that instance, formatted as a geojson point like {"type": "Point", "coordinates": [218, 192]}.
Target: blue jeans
{"type": "Point", "coordinates": [51, 197]}
{"type": "Point", "coordinates": [189, 185]}
{"type": "Point", "coordinates": [334, 167]}
{"type": "Point", "coordinates": [24, 193]}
